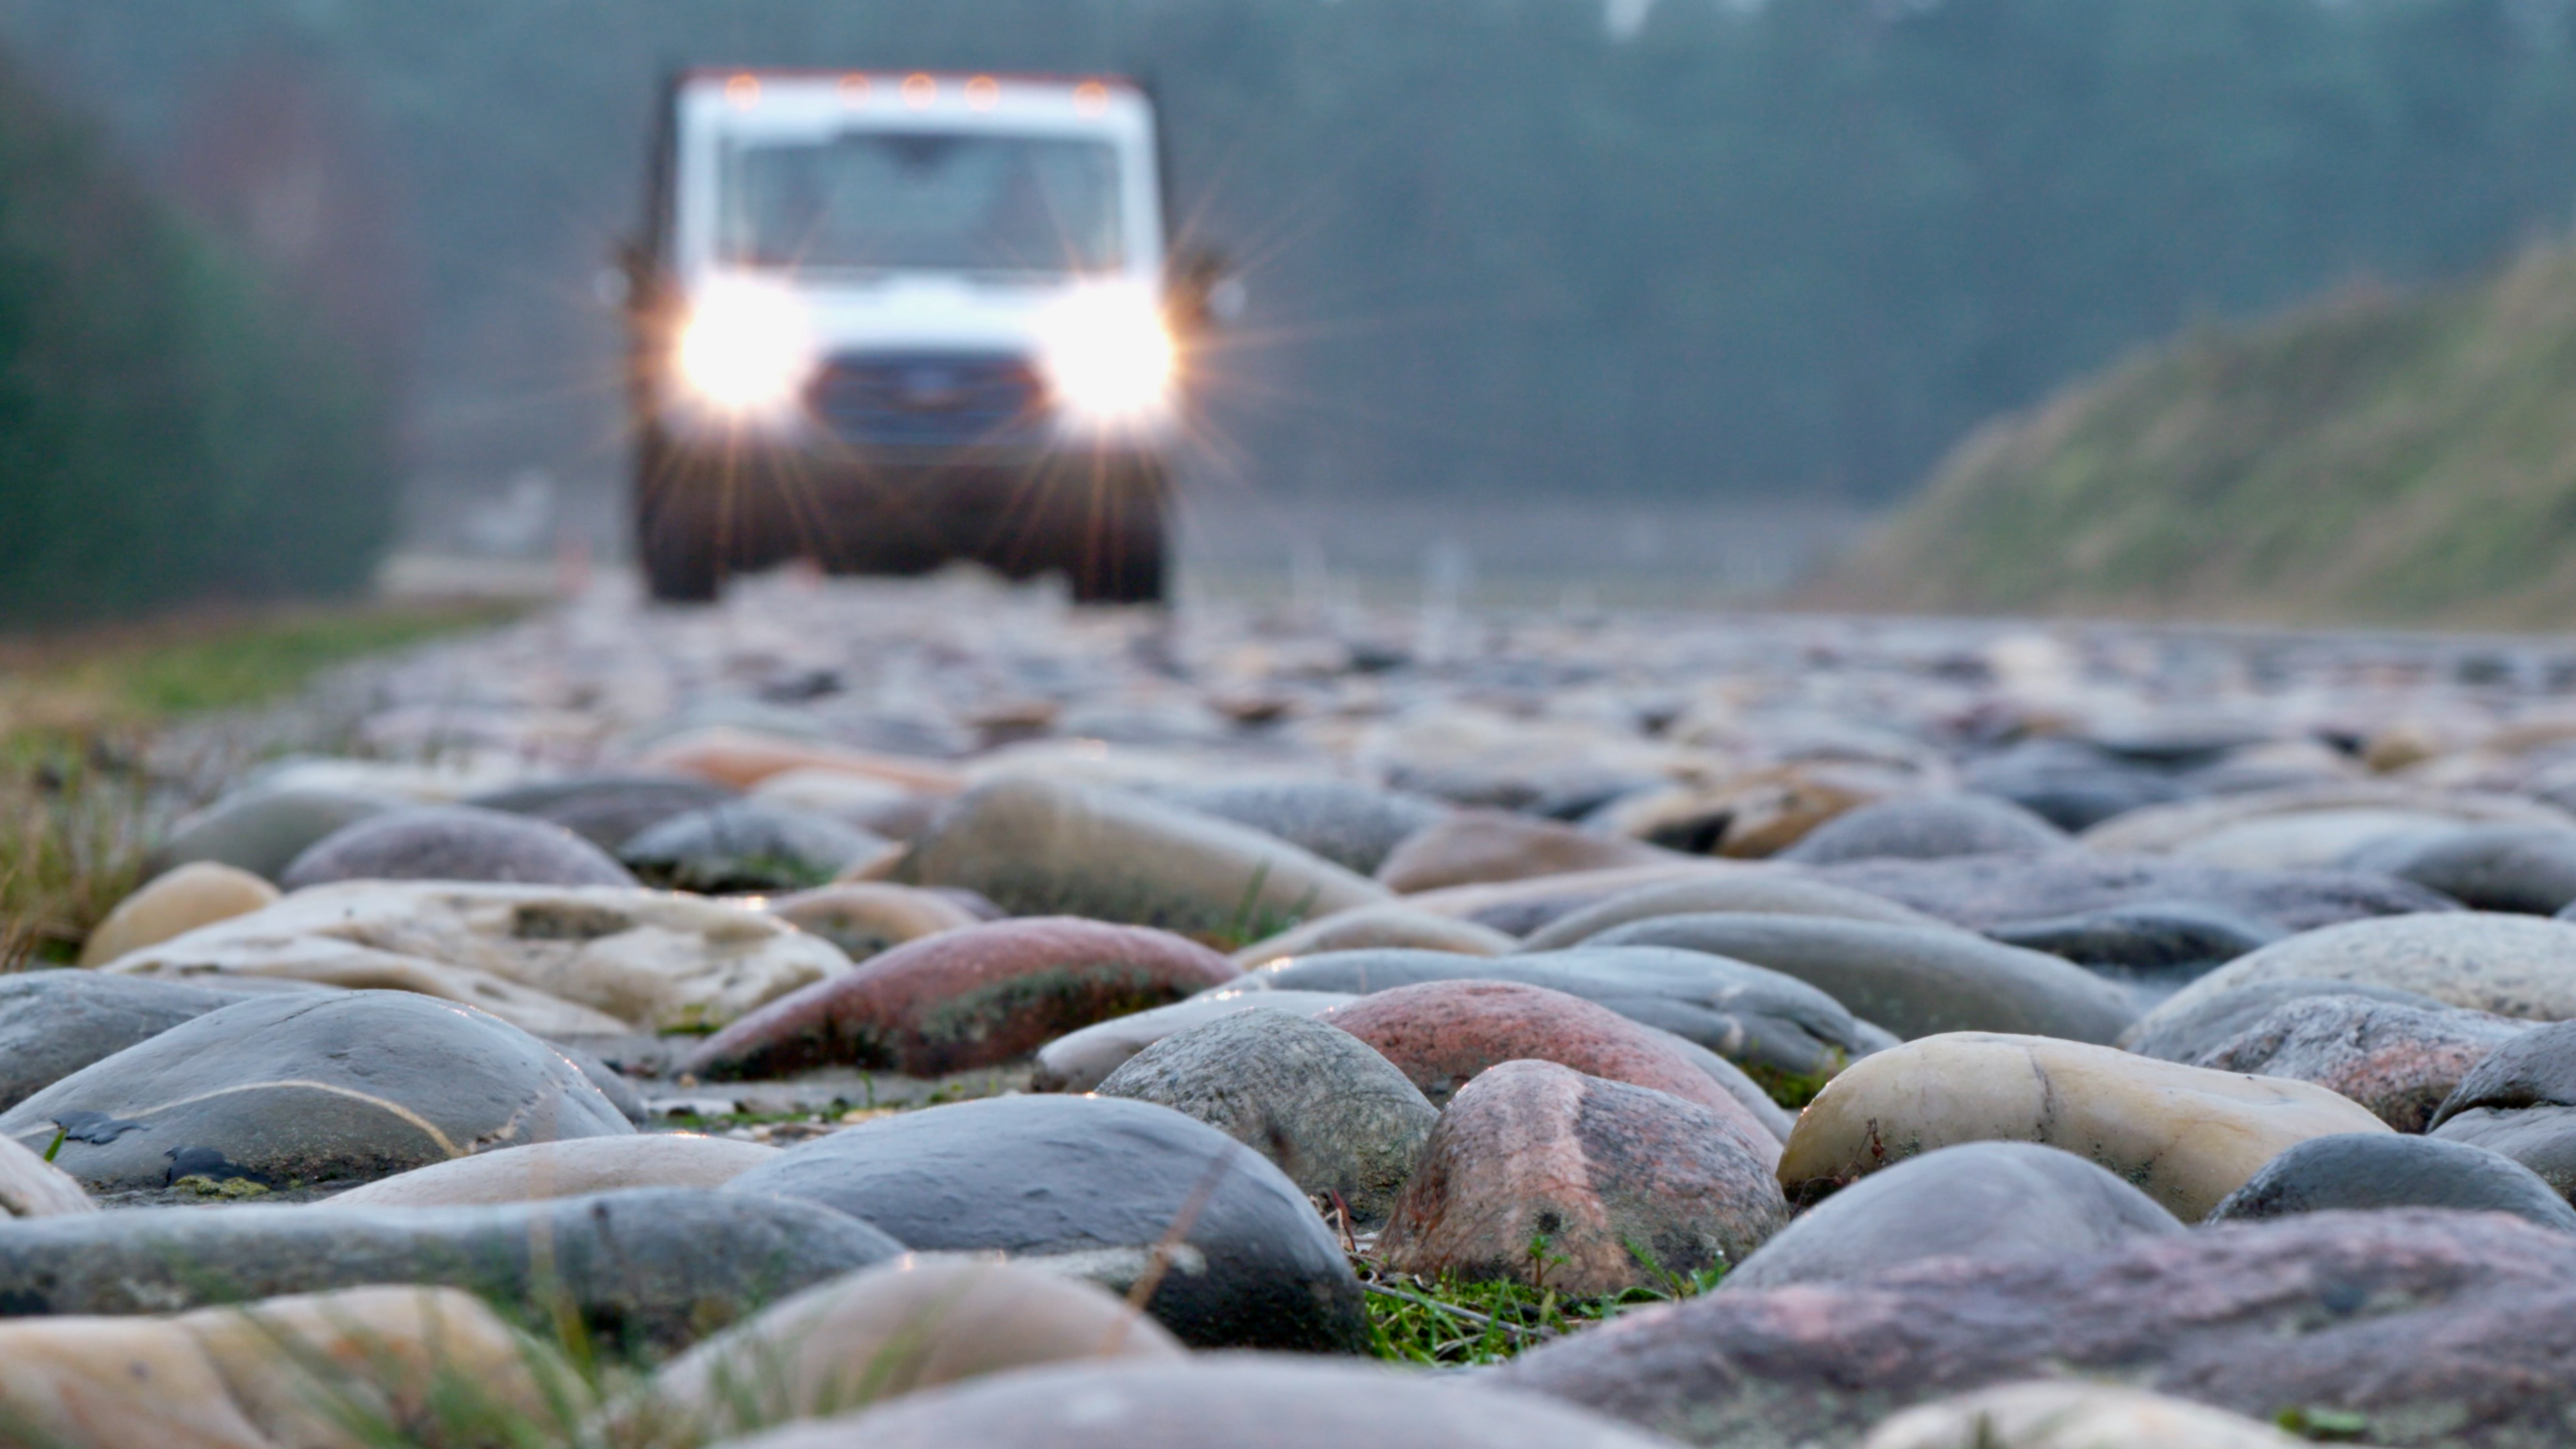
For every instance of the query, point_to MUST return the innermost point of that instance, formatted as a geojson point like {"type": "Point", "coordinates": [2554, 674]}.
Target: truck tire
{"type": "Point", "coordinates": [675, 536]}
{"type": "Point", "coordinates": [1119, 559]}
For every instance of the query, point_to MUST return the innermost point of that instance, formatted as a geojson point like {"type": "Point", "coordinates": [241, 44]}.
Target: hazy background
{"type": "Point", "coordinates": [1682, 285]}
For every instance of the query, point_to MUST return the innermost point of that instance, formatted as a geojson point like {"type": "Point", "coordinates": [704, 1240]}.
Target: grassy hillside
{"type": "Point", "coordinates": [2386, 458]}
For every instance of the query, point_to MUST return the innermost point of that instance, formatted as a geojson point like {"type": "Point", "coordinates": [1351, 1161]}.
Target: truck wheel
{"type": "Point", "coordinates": [1121, 562]}
{"type": "Point", "coordinates": [675, 543]}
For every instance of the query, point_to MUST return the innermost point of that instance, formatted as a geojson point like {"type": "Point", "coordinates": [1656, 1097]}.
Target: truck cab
{"type": "Point", "coordinates": [883, 320]}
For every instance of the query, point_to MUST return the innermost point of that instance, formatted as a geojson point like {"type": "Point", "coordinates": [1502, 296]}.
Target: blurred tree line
{"type": "Point", "coordinates": [1793, 248]}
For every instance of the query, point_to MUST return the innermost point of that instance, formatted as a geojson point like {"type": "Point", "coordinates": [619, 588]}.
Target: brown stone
{"type": "Point", "coordinates": [1443, 1034]}
{"type": "Point", "coordinates": [742, 758]}
{"type": "Point", "coordinates": [1542, 1174]}
{"type": "Point", "coordinates": [199, 893]}
{"type": "Point", "coordinates": [2429, 1328]}
{"type": "Point", "coordinates": [1477, 846]}
{"type": "Point", "coordinates": [965, 998]}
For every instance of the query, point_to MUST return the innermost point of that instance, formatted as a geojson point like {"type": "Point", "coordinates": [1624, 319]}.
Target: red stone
{"type": "Point", "coordinates": [965, 998]}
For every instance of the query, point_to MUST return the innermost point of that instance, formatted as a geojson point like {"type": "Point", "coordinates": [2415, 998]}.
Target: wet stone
{"type": "Point", "coordinates": [455, 843]}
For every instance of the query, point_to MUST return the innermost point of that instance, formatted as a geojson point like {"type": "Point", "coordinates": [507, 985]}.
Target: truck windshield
{"type": "Point", "coordinates": [868, 200]}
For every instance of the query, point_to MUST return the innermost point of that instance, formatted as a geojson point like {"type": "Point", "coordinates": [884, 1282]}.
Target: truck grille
{"type": "Point", "coordinates": [929, 399]}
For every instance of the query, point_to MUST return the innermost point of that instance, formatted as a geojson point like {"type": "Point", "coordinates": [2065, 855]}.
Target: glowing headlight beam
{"type": "Point", "coordinates": [745, 352]}
{"type": "Point", "coordinates": [1109, 359]}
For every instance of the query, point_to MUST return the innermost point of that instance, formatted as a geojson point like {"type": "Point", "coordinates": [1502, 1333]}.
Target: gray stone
{"type": "Point", "coordinates": [2399, 1060]}
{"type": "Point", "coordinates": [1239, 1401]}
{"type": "Point", "coordinates": [744, 845]}
{"type": "Point", "coordinates": [1079, 1061]}
{"type": "Point", "coordinates": [1772, 1025]}
{"type": "Point", "coordinates": [311, 1087]}
{"type": "Point", "coordinates": [2515, 966]}
{"type": "Point", "coordinates": [1108, 1180]}
{"type": "Point", "coordinates": [2153, 940]}
{"type": "Point", "coordinates": [1353, 826]}
{"type": "Point", "coordinates": [607, 810]}
{"type": "Point", "coordinates": [2383, 1170]}
{"type": "Point", "coordinates": [1978, 891]}
{"type": "Point", "coordinates": [2526, 868]}
{"type": "Point", "coordinates": [263, 831]}
{"type": "Point", "coordinates": [455, 842]}
{"type": "Point", "coordinates": [1915, 981]}
{"type": "Point", "coordinates": [2070, 783]}
{"type": "Point", "coordinates": [1983, 1199]}
{"type": "Point", "coordinates": [1777, 893]}
{"type": "Point", "coordinates": [2189, 1031]}
{"type": "Point", "coordinates": [1334, 1115]}
{"type": "Point", "coordinates": [53, 1023]}
{"type": "Point", "coordinates": [649, 1270]}
{"type": "Point", "coordinates": [1926, 827]}
{"type": "Point", "coordinates": [2521, 1101]}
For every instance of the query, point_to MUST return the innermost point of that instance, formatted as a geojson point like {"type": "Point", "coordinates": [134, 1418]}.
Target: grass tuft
{"type": "Point", "coordinates": [1443, 1322]}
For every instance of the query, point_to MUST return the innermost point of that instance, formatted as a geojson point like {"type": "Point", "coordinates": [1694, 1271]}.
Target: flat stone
{"type": "Point", "coordinates": [1926, 827]}
{"type": "Point", "coordinates": [2375, 1170]}
{"type": "Point", "coordinates": [1913, 980]}
{"type": "Point", "coordinates": [2059, 1414]}
{"type": "Point", "coordinates": [1241, 1401]}
{"type": "Point", "coordinates": [2308, 825]}
{"type": "Point", "coordinates": [965, 998]}
{"type": "Point", "coordinates": [748, 845]}
{"type": "Point", "coordinates": [1775, 893]}
{"type": "Point", "coordinates": [644, 1271]}
{"type": "Point", "coordinates": [1520, 908]}
{"type": "Point", "coordinates": [31, 1187]}
{"type": "Point", "coordinates": [1335, 1116]}
{"type": "Point", "coordinates": [572, 1168]}
{"type": "Point", "coordinates": [53, 1023]}
{"type": "Point", "coordinates": [311, 1088]}
{"type": "Point", "coordinates": [1981, 1199]}
{"type": "Point", "coordinates": [2525, 868]}
{"type": "Point", "coordinates": [1353, 826]}
{"type": "Point", "coordinates": [454, 843]}
{"type": "Point", "coordinates": [2166, 941]}
{"type": "Point", "coordinates": [607, 810]}
{"type": "Point", "coordinates": [262, 831]}
{"type": "Point", "coordinates": [2423, 1328]}
{"type": "Point", "coordinates": [2201, 1025]}
{"type": "Point", "coordinates": [1391, 925]}
{"type": "Point", "coordinates": [1625, 1185]}
{"type": "Point", "coordinates": [1105, 1179]}
{"type": "Point", "coordinates": [1474, 847]}
{"type": "Point", "coordinates": [1978, 891]}
{"type": "Point", "coordinates": [864, 918]}
{"type": "Point", "coordinates": [2398, 1060]}
{"type": "Point", "coordinates": [307, 1372]}
{"type": "Point", "coordinates": [1776, 1027]}
{"type": "Point", "coordinates": [911, 1324]}
{"type": "Point", "coordinates": [2521, 1101]}
{"type": "Point", "coordinates": [199, 893]}
{"type": "Point", "coordinates": [2508, 965]}
{"type": "Point", "coordinates": [557, 961]}
{"type": "Point", "coordinates": [2185, 1136]}
{"type": "Point", "coordinates": [1080, 1061]}
{"type": "Point", "coordinates": [1037, 847]}
{"type": "Point", "coordinates": [1443, 1034]}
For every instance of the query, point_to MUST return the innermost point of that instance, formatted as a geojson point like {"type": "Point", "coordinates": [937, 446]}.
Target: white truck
{"type": "Point", "coordinates": [882, 320]}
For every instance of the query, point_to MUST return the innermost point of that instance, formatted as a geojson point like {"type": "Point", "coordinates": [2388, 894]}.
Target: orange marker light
{"type": "Point", "coordinates": [743, 91]}
{"type": "Point", "coordinates": [983, 93]}
{"type": "Point", "coordinates": [854, 91]}
{"type": "Point", "coordinates": [919, 91]}
{"type": "Point", "coordinates": [1091, 98]}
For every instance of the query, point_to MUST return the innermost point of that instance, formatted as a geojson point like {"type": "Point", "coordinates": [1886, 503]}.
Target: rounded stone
{"type": "Point", "coordinates": [865, 918]}
{"type": "Point", "coordinates": [2185, 1136]}
{"type": "Point", "coordinates": [1520, 908]}
{"type": "Point", "coordinates": [741, 758]}
{"type": "Point", "coordinates": [607, 810]}
{"type": "Point", "coordinates": [1775, 893]}
{"type": "Point", "coordinates": [1040, 847]}
{"type": "Point", "coordinates": [2529, 869]}
{"type": "Point", "coordinates": [1474, 847]}
{"type": "Point", "coordinates": [1978, 891]}
{"type": "Point", "coordinates": [1240, 1401]}
{"type": "Point", "coordinates": [2307, 826]}
{"type": "Point", "coordinates": [455, 843]}
{"type": "Point", "coordinates": [1926, 827]}
{"type": "Point", "coordinates": [263, 831]}
{"type": "Point", "coordinates": [2508, 965]}
{"type": "Point", "coordinates": [745, 845]}
{"type": "Point", "coordinates": [1353, 826]}
{"type": "Point", "coordinates": [965, 998]}
{"type": "Point", "coordinates": [1339, 1119]}
{"type": "Point", "coordinates": [310, 1087]}
{"type": "Point", "coordinates": [2072, 1414]}
{"type": "Point", "coordinates": [2385, 1170]}
{"type": "Point", "coordinates": [2521, 1101]}
{"type": "Point", "coordinates": [199, 893]}
{"type": "Point", "coordinates": [572, 1168]}
{"type": "Point", "coordinates": [879, 807]}
{"type": "Point", "coordinates": [1380, 927]}
{"type": "Point", "coordinates": [1981, 1199]}
{"type": "Point", "coordinates": [2167, 941]}
{"type": "Point", "coordinates": [643, 1272]}
{"type": "Point", "coordinates": [1913, 980]}
{"type": "Point", "coordinates": [2400, 1061]}
{"type": "Point", "coordinates": [1543, 1175]}
{"type": "Point", "coordinates": [2070, 783]}
{"type": "Point", "coordinates": [912, 1324]}
{"type": "Point", "coordinates": [31, 1187]}
{"type": "Point", "coordinates": [53, 1023]}
{"type": "Point", "coordinates": [2184, 1033]}
{"type": "Point", "coordinates": [1099, 1184]}
{"type": "Point", "coordinates": [1777, 1027]}
{"type": "Point", "coordinates": [1443, 1034]}
{"type": "Point", "coordinates": [1080, 1061]}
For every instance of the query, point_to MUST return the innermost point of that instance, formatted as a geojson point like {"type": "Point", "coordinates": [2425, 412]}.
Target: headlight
{"type": "Point", "coordinates": [1109, 360]}
{"type": "Point", "coordinates": [744, 352]}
